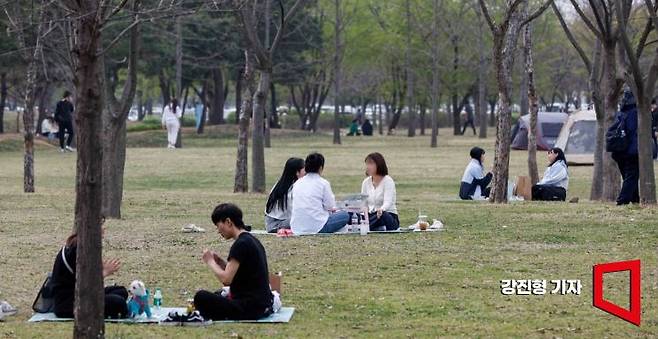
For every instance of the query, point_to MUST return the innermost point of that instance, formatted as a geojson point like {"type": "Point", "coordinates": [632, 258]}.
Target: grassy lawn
{"type": "Point", "coordinates": [418, 285]}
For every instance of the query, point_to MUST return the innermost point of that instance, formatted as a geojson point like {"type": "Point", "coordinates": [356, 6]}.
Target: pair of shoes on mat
{"type": "Point", "coordinates": [6, 310]}
{"type": "Point", "coordinates": [192, 319]}
{"type": "Point", "coordinates": [192, 228]}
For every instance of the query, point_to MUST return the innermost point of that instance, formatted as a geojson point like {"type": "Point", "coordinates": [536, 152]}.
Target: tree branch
{"type": "Point", "coordinates": [571, 38]}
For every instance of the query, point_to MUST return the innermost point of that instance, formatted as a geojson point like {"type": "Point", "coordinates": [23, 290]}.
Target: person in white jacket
{"type": "Point", "coordinates": [171, 115]}
{"type": "Point", "coordinates": [475, 183]}
{"type": "Point", "coordinates": [555, 183]}
{"type": "Point", "coordinates": [379, 188]}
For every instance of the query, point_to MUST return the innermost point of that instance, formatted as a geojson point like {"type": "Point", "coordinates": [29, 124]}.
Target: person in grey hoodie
{"type": "Point", "coordinates": [553, 186]}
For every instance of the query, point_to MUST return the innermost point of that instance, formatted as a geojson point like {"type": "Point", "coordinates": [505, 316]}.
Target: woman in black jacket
{"type": "Point", "coordinates": [63, 284]}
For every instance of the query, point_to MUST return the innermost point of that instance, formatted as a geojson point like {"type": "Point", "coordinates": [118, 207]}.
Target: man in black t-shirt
{"type": "Point", "coordinates": [64, 118]}
{"type": "Point", "coordinates": [245, 271]}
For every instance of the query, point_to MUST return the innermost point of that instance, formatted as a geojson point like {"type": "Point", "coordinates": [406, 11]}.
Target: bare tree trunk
{"type": "Point", "coordinates": [503, 56]}
{"type": "Point", "coordinates": [89, 296]}
{"type": "Point", "coordinates": [257, 147]}
{"type": "Point", "coordinates": [532, 105]}
{"type": "Point", "coordinates": [238, 94]}
{"type": "Point", "coordinates": [268, 114]}
{"type": "Point", "coordinates": [217, 108]}
{"type": "Point", "coordinates": [114, 130]}
{"type": "Point", "coordinates": [337, 76]}
{"type": "Point", "coordinates": [410, 75]}
{"type": "Point", "coordinates": [241, 166]}
{"type": "Point", "coordinates": [30, 99]}
{"type": "Point", "coordinates": [380, 123]}
{"type": "Point", "coordinates": [481, 80]}
{"type": "Point", "coordinates": [596, 192]}
{"type": "Point", "coordinates": [612, 87]}
{"type": "Point", "coordinates": [435, 74]}
{"type": "Point", "coordinates": [3, 100]}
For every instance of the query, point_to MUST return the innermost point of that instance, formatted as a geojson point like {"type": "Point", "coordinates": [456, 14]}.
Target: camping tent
{"type": "Point", "coordinates": [578, 138]}
{"type": "Point", "coordinates": [549, 125]}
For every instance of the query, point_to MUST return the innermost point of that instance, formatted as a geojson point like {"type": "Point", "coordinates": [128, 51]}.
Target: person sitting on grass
{"type": "Point", "coordinates": [379, 187]}
{"type": "Point", "coordinates": [474, 184]}
{"type": "Point", "coordinates": [244, 270]}
{"type": "Point", "coordinates": [314, 204]}
{"type": "Point", "coordinates": [279, 203]}
{"type": "Point", "coordinates": [553, 186]}
{"type": "Point", "coordinates": [63, 283]}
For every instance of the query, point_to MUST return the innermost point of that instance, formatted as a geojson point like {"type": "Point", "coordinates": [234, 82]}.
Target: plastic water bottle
{"type": "Point", "coordinates": [157, 298]}
{"type": "Point", "coordinates": [364, 226]}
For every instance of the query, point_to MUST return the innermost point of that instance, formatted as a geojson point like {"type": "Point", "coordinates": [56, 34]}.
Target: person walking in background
{"type": "Point", "coordinates": [64, 119]}
{"type": "Point", "coordinates": [171, 122]}
{"type": "Point", "coordinates": [627, 159]}
{"type": "Point", "coordinates": [469, 121]}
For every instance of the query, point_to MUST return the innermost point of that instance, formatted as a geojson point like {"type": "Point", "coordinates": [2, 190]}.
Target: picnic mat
{"type": "Point", "coordinates": [401, 230]}
{"type": "Point", "coordinates": [283, 316]}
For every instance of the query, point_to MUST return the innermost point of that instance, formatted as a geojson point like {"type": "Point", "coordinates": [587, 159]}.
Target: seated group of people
{"type": "Point", "coordinates": [245, 270]}
{"type": "Point", "coordinates": [552, 187]}
{"type": "Point", "coordinates": [302, 200]}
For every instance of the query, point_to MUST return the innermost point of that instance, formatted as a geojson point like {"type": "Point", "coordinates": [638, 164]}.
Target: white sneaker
{"type": "Point", "coordinates": [6, 309]}
{"type": "Point", "coordinates": [70, 149]}
{"type": "Point", "coordinates": [170, 146]}
{"type": "Point", "coordinates": [192, 228]}
{"type": "Point", "coordinates": [61, 150]}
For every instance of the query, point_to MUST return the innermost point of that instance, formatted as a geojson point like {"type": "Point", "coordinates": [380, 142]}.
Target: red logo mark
{"type": "Point", "coordinates": [632, 315]}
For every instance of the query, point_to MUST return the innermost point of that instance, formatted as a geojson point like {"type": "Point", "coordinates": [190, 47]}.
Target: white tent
{"type": "Point", "coordinates": [578, 138]}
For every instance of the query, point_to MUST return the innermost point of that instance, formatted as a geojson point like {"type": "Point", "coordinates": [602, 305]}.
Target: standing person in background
{"type": "Point", "coordinates": [627, 160]}
{"type": "Point", "coordinates": [64, 119]}
{"type": "Point", "coordinates": [171, 122]}
{"type": "Point", "coordinates": [469, 119]}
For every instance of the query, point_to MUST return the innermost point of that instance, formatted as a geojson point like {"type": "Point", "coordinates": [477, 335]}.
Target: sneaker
{"type": "Point", "coordinates": [70, 149]}
{"type": "Point", "coordinates": [173, 319]}
{"type": "Point", "coordinates": [170, 146]}
{"type": "Point", "coordinates": [195, 319]}
{"type": "Point", "coordinates": [6, 310]}
{"type": "Point", "coordinates": [192, 228]}
{"type": "Point", "coordinates": [61, 150]}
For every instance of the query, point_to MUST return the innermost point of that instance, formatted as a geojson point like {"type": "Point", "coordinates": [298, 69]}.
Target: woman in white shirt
{"type": "Point", "coordinates": [553, 186]}
{"type": "Point", "coordinates": [279, 203]}
{"type": "Point", "coordinates": [475, 184]}
{"type": "Point", "coordinates": [314, 204]}
{"type": "Point", "coordinates": [380, 189]}
{"type": "Point", "coordinates": [170, 120]}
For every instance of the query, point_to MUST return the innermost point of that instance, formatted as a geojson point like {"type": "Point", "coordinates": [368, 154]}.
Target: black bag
{"type": "Point", "coordinates": [45, 300]}
{"type": "Point", "coordinates": [616, 139]}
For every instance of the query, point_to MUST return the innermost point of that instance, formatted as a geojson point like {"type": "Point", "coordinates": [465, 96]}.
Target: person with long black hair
{"type": "Point", "coordinates": [171, 115]}
{"type": "Point", "coordinates": [244, 270]}
{"type": "Point", "coordinates": [555, 182]}
{"type": "Point", "coordinates": [475, 184]}
{"type": "Point", "coordinates": [279, 203]}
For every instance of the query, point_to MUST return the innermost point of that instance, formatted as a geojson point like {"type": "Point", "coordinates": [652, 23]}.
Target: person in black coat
{"type": "Point", "coordinates": [64, 118]}
{"type": "Point", "coordinates": [627, 160]}
{"type": "Point", "coordinates": [63, 284]}
{"type": "Point", "coordinates": [366, 128]}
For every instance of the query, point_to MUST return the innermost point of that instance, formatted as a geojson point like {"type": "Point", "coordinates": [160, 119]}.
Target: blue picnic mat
{"type": "Point", "coordinates": [283, 316]}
